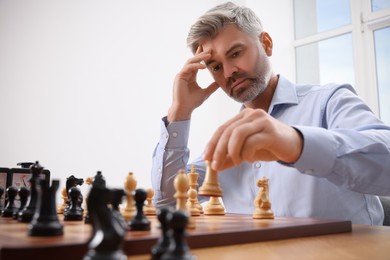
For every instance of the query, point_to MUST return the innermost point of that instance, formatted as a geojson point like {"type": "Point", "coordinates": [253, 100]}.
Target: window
{"type": "Point", "coordinates": [344, 41]}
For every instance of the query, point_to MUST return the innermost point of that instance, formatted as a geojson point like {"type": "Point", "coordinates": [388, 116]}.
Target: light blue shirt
{"type": "Point", "coordinates": [344, 164]}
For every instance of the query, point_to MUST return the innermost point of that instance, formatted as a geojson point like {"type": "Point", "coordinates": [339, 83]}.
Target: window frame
{"type": "Point", "coordinates": [363, 24]}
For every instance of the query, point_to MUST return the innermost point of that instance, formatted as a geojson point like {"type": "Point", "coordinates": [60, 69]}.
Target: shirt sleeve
{"type": "Point", "coordinates": [170, 155]}
{"type": "Point", "coordinates": [351, 150]}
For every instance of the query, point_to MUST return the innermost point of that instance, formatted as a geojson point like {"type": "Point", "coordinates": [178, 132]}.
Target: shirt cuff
{"type": "Point", "coordinates": [176, 133]}
{"type": "Point", "coordinates": [319, 152]}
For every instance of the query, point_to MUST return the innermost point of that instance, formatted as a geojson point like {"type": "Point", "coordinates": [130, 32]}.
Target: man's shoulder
{"type": "Point", "coordinates": [322, 90]}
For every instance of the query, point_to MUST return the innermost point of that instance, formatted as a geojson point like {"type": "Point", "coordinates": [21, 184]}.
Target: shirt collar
{"type": "Point", "coordinates": [285, 93]}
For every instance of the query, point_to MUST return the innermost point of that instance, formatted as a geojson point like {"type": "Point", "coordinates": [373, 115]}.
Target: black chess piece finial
{"type": "Point", "coordinates": [98, 180]}
{"type": "Point", "coordinates": [9, 209]}
{"type": "Point", "coordinates": [139, 222]}
{"type": "Point", "coordinates": [75, 211]}
{"type": "Point", "coordinates": [179, 248]}
{"type": "Point", "coordinates": [23, 192]}
{"type": "Point", "coordinates": [45, 221]}
{"type": "Point", "coordinates": [27, 213]}
{"type": "Point", "coordinates": [165, 240]}
{"type": "Point", "coordinates": [108, 230]}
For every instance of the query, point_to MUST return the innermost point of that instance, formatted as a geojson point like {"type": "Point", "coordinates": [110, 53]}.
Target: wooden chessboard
{"type": "Point", "coordinates": [210, 231]}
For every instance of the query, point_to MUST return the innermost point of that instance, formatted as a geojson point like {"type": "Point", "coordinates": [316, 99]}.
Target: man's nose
{"type": "Point", "coordinates": [230, 69]}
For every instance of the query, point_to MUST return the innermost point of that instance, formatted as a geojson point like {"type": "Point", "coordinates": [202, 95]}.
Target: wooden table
{"type": "Point", "coordinates": [217, 237]}
{"type": "Point", "coordinates": [364, 242]}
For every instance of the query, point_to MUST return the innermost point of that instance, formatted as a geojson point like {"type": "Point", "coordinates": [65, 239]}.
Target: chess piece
{"type": "Point", "coordinates": [27, 213]}
{"type": "Point", "coordinates": [214, 207]}
{"type": "Point", "coordinates": [149, 209]}
{"type": "Point", "coordinates": [64, 205]}
{"type": "Point", "coordinates": [72, 181]}
{"type": "Point", "coordinates": [181, 186]}
{"type": "Point", "coordinates": [109, 231]}
{"type": "Point", "coordinates": [24, 193]}
{"type": "Point", "coordinates": [88, 181]}
{"type": "Point", "coordinates": [139, 222]}
{"type": "Point", "coordinates": [1, 195]}
{"type": "Point", "coordinates": [97, 181]}
{"type": "Point", "coordinates": [179, 248]}
{"type": "Point", "coordinates": [193, 183]}
{"type": "Point", "coordinates": [9, 209]}
{"type": "Point", "coordinates": [45, 221]}
{"type": "Point", "coordinates": [117, 197]}
{"type": "Point", "coordinates": [191, 203]}
{"type": "Point", "coordinates": [262, 203]}
{"type": "Point", "coordinates": [130, 184]}
{"type": "Point", "coordinates": [210, 185]}
{"type": "Point", "coordinates": [164, 241]}
{"type": "Point", "coordinates": [75, 211]}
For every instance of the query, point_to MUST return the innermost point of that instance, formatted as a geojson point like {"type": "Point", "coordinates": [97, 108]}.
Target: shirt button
{"type": "Point", "coordinates": [258, 165]}
{"type": "Point", "coordinates": [165, 135]}
{"type": "Point", "coordinates": [174, 134]}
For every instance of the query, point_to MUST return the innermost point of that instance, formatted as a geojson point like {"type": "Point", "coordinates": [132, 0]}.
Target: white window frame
{"type": "Point", "coordinates": [362, 27]}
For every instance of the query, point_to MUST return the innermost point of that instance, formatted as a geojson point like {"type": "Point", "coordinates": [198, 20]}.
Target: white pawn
{"type": "Point", "coordinates": [149, 209]}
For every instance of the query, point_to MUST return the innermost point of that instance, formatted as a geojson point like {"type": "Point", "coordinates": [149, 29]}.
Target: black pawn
{"type": "Point", "coordinates": [179, 249]}
{"type": "Point", "coordinates": [27, 214]}
{"type": "Point", "coordinates": [139, 221]}
{"type": "Point", "coordinates": [45, 221]}
{"type": "Point", "coordinates": [164, 242]}
{"type": "Point", "coordinates": [23, 192]}
{"type": "Point", "coordinates": [116, 200]}
{"type": "Point", "coordinates": [9, 209]}
{"type": "Point", "coordinates": [75, 212]}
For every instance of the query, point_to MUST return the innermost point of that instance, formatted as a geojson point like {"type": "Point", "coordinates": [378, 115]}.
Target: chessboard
{"type": "Point", "coordinates": [209, 231]}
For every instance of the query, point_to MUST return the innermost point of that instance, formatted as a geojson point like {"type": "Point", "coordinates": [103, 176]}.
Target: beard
{"type": "Point", "coordinates": [258, 83]}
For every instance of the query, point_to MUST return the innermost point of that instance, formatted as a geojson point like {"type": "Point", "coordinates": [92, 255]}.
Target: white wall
{"type": "Point", "coordinates": [83, 84]}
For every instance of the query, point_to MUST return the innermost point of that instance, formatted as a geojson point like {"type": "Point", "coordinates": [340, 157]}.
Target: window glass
{"type": "Point", "coordinates": [314, 16]}
{"type": "Point", "coordinates": [377, 5]}
{"type": "Point", "coordinates": [326, 61]}
{"type": "Point", "coordinates": [382, 56]}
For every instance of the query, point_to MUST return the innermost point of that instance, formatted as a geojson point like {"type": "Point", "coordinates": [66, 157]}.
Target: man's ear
{"type": "Point", "coordinates": [266, 41]}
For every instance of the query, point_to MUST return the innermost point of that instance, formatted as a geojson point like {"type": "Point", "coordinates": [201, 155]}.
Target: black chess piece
{"type": "Point", "coordinates": [179, 249]}
{"type": "Point", "coordinates": [139, 222]}
{"type": "Point", "coordinates": [1, 195]}
{"type": "Point", "coordinates": [116, 200]}
{"type": "Point", "coordinates": [45, 221]}
{"type": "Point", "coordinates": [75, 211]}
{"type": "Point", "coordinates": [72, 181]}
{"type": "Point", "coordinates": [98, 181]}
{"type": "Point", "coordinates": [108, 230]}
{"type": "Point", "coordinates": [9, 209]}
{"type": "Point", "coordinates": [23, 192]}
{"type": "Point", "coordinates": [164, 241]}
{"type": "Point", "coordinates": [26, 215]}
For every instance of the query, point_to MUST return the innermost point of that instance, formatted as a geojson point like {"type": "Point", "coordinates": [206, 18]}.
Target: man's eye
{"type": "Point", "coordinates": [217, 68]}
{"type": "Point", "coordinates": [236, 54]}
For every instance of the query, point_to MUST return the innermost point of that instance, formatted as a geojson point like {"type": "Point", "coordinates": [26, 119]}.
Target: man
{"type": "Point", "coordinates": [324, 151]}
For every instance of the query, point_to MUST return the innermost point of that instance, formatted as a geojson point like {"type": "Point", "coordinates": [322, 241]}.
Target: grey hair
{"type": "Point", "coordinates": [213, 21]}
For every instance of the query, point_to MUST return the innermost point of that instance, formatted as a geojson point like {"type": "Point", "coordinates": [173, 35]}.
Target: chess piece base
{"type": "Point", "coordinates": [45, 229]}
{"type": "Point", "coordinates": [263, 214]}
{"type": "Point", "coordinates": [214, 207]}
